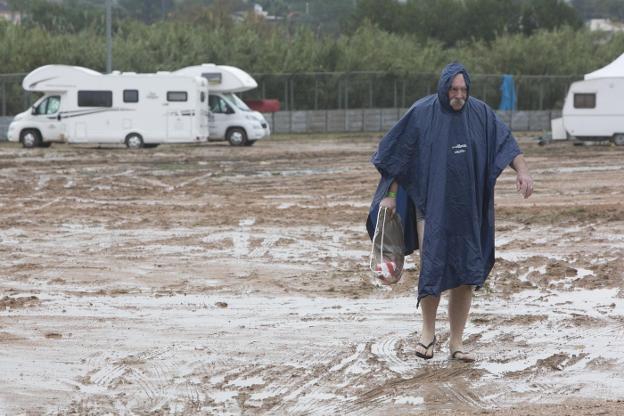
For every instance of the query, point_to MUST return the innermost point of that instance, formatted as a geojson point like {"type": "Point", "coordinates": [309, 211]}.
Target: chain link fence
{"type": "Point", "coordinates": [354, 90]}
{"type": "Point", "coordinates": [359, 90]}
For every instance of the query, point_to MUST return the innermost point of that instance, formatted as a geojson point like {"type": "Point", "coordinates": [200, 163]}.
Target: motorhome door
{"type": "Point", "coordinates": [180, 116]}
{"type": "Point", "coordinates": [46, 116]}
{"type": "Point", "coordinates": [219, 116]}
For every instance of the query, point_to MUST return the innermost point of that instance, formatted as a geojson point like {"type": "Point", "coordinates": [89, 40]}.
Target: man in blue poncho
{"type": "Point", "coordinates": [438, 166]}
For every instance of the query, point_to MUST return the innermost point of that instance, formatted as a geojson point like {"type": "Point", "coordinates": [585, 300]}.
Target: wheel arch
{"type": "Point", "coordinates": [25, 129]}
{"type": "Point", "coordinates": [134, 133]}
{"type": "Point", "coordinates": [230, 128]}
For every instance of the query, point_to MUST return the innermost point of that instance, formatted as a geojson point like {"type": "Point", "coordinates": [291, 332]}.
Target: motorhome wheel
{"type": "Point", "coordinates": [30, 138]}
{"type": "Point", "coordinates": [134, 141]}
{"type": "Point", "coordinates": [618, 139]}
{"type": "Point", "coordinates": [237, 137]}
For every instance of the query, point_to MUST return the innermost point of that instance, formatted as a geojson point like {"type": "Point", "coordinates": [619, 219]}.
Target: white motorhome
{"type": "Point", "coordinates": [80, 105]}
{"type": "Point", "coordinates": [229, 117]}
{"type": "Point", "coordinates": [593, 109]}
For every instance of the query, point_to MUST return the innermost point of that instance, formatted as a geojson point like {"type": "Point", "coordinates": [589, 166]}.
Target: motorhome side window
{"type": "Point", "coordinates": [217, 104]}
{"type": "Point", "coordinates": [177, 96]}
{"type": "Point", "coordinates": [131, 96]}
{"type": "Point", "coordinates": [48, 106]}
{"type": "Point", "coordinates": [584, 100]}
{"type": "Point", "coordinates": [95, 98]}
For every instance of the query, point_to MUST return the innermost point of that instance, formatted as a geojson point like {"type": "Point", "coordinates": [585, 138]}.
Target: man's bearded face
{"type": "Point", "coordinates": [458, 93]}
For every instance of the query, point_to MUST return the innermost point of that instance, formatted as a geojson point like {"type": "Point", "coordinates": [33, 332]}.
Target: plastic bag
{"type": "Point", "coordinates": [387, 258]}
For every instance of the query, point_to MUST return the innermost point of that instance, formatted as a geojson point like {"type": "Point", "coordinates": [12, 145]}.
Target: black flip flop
{"type": "Point", "coordinates": [426, 347]}
{"type": "Point", "coordinates": [465, 360]}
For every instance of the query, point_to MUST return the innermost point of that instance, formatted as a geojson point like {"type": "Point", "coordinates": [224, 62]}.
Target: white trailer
{"type": "Point", "coordinates": [80, 105]}
{"type": "Point", "coordinates": [229, 117]}
{"type": "Point", "coordinates": [593, 110]}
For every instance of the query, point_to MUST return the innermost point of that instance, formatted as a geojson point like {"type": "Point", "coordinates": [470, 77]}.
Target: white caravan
{"type": "Point", "coordinates": [593, 108]}
{"type": "Point", "coordinates": [80, 105]}
{"type": "Point", "coordinates": [229, 117]}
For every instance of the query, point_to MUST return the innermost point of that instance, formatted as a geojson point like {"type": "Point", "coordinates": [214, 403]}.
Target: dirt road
{"type": "Point", "coordinates": [217, 280]}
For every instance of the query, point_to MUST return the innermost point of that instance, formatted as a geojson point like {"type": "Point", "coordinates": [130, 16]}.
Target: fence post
{"type": "Point", "coordinates": [403, 95]}
{"type": "Point", "coordinates": [4, 98]}
{"type": "Point", "coordinates": [286, 95]}
{"type": "Point", "coordinates": [346, 90]}
{"type": "Point", "coordinates": [292, 94]}
{"type": "Point", "coordinates": [315, 92]}
{"type": "Point", "coordinates": [339, 93]}
{"type": "Point", "coordinates": [326, 121]}
{"type": "Point", "coordinates": [396, 95]}
{"type": "Point", "coordinates": [346, 102]}
{"type": "Point", "coordinates": [26, 99]}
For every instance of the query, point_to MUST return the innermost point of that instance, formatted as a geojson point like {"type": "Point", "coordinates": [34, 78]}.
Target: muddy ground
{"type": "Point", "coordinates": [218, 280]}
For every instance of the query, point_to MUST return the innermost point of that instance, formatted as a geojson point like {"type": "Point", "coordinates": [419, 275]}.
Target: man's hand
{"type": "Point", "coordinates": [524, 181]}
{"type": "Point", "coordinates": [389, 203]}
{"type": "Point", "coordinates": [524, 184]}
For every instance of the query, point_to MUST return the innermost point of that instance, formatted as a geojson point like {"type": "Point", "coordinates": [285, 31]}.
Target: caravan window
{"type": "Point", "coordinates": [584, 100]}
{"type": "Point", "coordinates": [131, 96]}
{"type": "Point", "coordinates": [177, 96]}
{"type": "Point", "coordinates": [95, 98]}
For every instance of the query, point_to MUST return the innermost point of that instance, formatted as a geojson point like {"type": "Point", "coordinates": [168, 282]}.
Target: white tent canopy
{"type": "Point", "coordinates": [614, 70]}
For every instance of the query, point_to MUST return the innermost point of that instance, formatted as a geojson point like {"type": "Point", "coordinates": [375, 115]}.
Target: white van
{"type": "Point", "coordinates": [593, 108]}
{"type": "Point", "coordinates": [229, 117]}
{"type": "Point", "coordinates": [80, 105]}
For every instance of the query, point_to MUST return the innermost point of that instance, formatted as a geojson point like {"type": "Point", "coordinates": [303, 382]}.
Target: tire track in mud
{"type": "Point", "coordinates": [437, 381]}
{"type": "Point", "coordinates": [377, 363]}
{"type": "Point", "coordinates": [143, 372]}
{"type": "Point", "coordinates": [307, 398]}
{"type": "Point", "coordinates": [386, 351]}
{"type": "Point", "coordinates": [105, 377]}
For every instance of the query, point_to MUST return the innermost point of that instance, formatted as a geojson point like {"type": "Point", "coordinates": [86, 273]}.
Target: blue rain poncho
{"type": "Point", "coordinates": [446, 163]}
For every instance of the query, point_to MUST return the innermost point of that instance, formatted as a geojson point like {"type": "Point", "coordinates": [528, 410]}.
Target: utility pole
{"type": "Point", "coordinates": [109, 40]}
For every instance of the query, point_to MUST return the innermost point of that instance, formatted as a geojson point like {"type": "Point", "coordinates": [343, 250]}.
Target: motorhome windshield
{"type": "Point", "coordinates": [49, 105]}
{"type": "Point", "coordinates": [234, 100]}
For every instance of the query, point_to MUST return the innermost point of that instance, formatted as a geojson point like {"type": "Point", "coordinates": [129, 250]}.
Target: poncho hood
{"type": "Point", "coordinates": [446, 79]}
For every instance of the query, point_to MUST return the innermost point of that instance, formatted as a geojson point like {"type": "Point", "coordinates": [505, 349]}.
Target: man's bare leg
{"type": "Point", "coordinates": [428, 306]}
{"type": "Point", "coordinates": [460, 300]}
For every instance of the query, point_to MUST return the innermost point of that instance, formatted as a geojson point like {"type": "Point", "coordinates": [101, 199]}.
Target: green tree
{"type": "Point", "coordinates": [548, 14]}
{"type": "Point", "coordinates": [69, 16]}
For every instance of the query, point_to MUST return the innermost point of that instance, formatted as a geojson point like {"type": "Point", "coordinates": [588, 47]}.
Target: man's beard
{"type": "Point", "coordinates": [458, 102]}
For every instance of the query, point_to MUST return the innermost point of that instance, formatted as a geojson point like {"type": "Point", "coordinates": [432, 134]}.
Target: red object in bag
{"type": "Point", "coordinates": [387, 258]}
{"type": "Point", "coordinates": [387, 269]}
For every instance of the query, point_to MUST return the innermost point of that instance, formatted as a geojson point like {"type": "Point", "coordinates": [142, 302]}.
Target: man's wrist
{"type": "Point", "coordinates": [391, 194]}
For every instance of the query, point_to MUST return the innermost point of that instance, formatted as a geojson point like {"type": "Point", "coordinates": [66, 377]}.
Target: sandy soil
{"type": "Point", "coordinates": [217, 280]}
